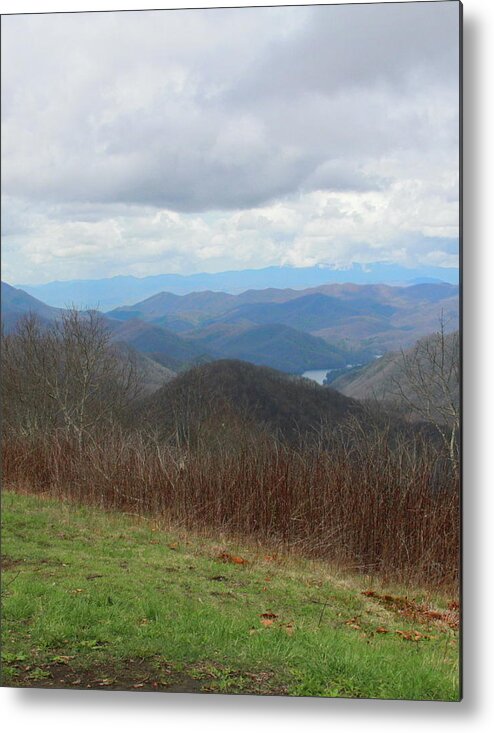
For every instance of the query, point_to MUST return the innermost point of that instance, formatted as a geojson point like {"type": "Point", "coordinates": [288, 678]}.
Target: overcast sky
{"type": "Point", "coordinates": [191, 141]}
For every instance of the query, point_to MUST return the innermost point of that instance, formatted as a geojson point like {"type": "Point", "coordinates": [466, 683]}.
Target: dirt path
{"type": "Point", "coordinates": [134, 675]}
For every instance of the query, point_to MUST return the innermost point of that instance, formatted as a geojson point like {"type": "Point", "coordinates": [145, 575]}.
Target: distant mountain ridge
{"type": "Point", "coordinates": [107, 293]}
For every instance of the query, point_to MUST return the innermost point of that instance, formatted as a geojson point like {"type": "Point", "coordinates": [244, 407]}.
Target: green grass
{"type": "Point", "coordinates": [97, 599]}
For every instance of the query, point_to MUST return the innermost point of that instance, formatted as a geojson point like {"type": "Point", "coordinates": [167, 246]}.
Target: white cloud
{"type": "Point", "coordinates": [399, 224]}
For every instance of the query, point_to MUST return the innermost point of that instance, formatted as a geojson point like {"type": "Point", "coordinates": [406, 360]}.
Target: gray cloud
{"type": "Point", "coordinates": [110, 118]}
{"type": "Point", "coordinates": [119, 110]}
{"type": "Point", "coordinates": [398, 45]}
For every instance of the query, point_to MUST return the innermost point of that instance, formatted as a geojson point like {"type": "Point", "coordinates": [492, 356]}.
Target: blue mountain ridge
{"type": "Point", "coordinates": [107, 293]}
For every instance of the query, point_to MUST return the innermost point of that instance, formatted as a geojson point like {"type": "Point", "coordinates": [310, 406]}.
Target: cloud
{"type": "Point", "coordinates": [396, 45]}
{"type": "Point", "coordinates": [402, 225]}
{"type": "Point", "coordinates": [115, 123]}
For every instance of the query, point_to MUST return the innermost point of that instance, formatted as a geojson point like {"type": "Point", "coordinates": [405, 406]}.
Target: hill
{"type": "Point", "coordinates": [226, 393]}
{"type": "Point", "coordinates": [369, 381]}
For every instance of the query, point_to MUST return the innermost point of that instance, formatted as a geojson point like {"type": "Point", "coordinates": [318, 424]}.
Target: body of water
{"type": "Point", "coordinates": [317, 375]}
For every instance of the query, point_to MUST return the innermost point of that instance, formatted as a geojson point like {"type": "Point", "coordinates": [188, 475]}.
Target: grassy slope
{"type": "Point", "coordinates": [105, 600]}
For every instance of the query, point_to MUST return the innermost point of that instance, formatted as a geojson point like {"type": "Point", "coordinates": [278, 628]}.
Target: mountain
{"type": "Point", "coordinates": [178, 313]}
{"type": "Point", "coordinates": [204, 303]}
{"type": "Point", "coordinates": [388, 378]}
{"type": "Point", "coordinates": [412, 312]}
{"type": "Point", "coordinates": [274, 345]}
{"type": "Point", "coordinates": [229, 392]}
{"type": "Point", "coordinates": [107, 293]}
{"type": "Point", "coordinates": [16, 303]}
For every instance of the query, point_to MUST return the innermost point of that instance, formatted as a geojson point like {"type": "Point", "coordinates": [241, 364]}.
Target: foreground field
{"type": "Point", "coordinates": [100, 600]}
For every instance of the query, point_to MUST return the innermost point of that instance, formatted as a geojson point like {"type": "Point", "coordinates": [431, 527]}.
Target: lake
{"type": "Point", "coordinates": [317, 375]}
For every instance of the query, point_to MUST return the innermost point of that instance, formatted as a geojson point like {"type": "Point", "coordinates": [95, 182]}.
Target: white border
{"type": "Point", "coordinates": [49, 711]}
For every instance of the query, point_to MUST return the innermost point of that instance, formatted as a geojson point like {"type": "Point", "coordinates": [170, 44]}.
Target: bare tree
{"type": "Point", "coordinates": [26, 405]}
{"type": "Point", "coordinates": [429, 383]}
{"type": "Point", "coordinates": [65, 375]}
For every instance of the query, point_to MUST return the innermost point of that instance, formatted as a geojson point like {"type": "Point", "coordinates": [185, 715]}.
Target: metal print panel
{"type": "Point", "coordinates": [231, 351]}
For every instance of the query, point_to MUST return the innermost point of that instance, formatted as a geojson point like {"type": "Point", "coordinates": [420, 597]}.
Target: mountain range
{"type": "Point", "coordinates": [366, 320]}
{"type": "Point", "coordinates": [107, 293]}
{"type": "Point", "coordinates": [324, 327]}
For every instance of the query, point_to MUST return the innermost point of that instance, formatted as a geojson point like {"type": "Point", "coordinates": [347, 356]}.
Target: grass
{"type": "Point", "coordinates": [98, 599]}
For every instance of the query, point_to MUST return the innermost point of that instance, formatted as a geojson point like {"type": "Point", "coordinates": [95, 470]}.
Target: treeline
{"type": "Point", "coordinates": [344, 483]}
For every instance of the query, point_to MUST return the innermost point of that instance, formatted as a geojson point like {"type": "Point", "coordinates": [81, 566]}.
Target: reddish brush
{"type": "Point", "coordinates": [371, 507]}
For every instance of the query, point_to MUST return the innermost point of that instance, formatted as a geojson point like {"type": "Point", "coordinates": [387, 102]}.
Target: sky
{"type": "Point", "coordinates": [200, 141]}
